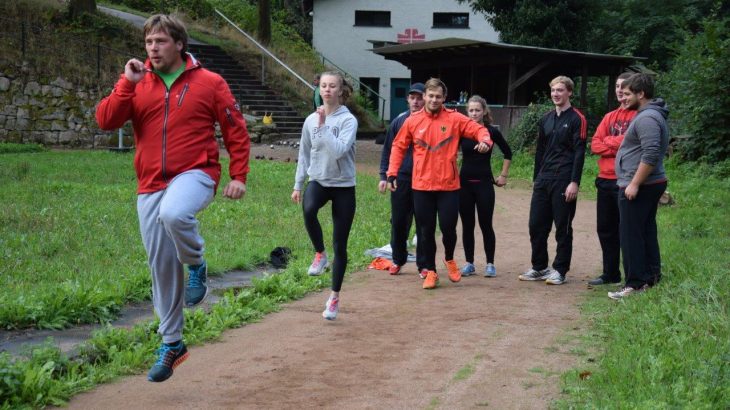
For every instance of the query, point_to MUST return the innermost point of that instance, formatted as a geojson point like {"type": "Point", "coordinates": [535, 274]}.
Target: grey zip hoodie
{"type": "Point", "coordinates": [645, 141]}
{"type": "Point", "coordinates": [327, 154]}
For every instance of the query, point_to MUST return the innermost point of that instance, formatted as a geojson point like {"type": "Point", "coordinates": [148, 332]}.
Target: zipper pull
{"type": "Point", "coordinates": [182, 95]}
{"type": "Point", "coordinates": [230, 118]}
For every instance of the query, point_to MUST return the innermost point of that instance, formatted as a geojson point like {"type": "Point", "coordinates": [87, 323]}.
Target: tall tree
{"type": "Point", "coordinates": [264, 28]}
{"type": "Point", "coordinates": [654, 29]}
{"type": "Point", "coordinates": [563, 24]}
{"type": "Point", "coordinates": [78, 7]}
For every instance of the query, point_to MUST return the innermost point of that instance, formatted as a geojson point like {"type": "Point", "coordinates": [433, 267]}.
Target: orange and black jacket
{"type": "Point", "coordinates": [561, 146]}
{"type": "Point", "coordinates": [435, 139]}
{"type": "Point", "coordinates": [174, 130]}
{"type": "Point", "coordinates": [607, 139]}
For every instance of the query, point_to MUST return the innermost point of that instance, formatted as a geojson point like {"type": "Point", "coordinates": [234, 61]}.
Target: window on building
{"type": "Point", "coordinates": [450, 20]}
{"type": "Point", "coordinates": [371, 18]}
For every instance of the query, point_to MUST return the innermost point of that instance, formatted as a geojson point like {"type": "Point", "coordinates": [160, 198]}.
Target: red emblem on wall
{"type": "Point", "coordinates": [410, 35]}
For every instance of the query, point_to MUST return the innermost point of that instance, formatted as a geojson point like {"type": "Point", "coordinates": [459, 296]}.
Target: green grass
{"type": "Point", "coordinates": [70, 238]}
{"type": "Point", "coordinates": [73, 254]}
{"type": "Point", "coordinates": [669, 347]}
{"type": "Point", "coordinates": [13, 148]}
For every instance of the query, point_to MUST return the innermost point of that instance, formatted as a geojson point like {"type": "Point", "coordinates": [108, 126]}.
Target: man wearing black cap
{"type": "Point", "coordinates": [401, 200]}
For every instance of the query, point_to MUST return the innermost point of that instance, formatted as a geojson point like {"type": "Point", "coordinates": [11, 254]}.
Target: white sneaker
{"type": "Point", "coordinates": [555, 278]}
{"type": "Point", "coordinates": [319, 264]}
{"type": "Point", "coordinates": [331, 308]}
{"type": "Point", "coordinates": [626, 291]}
{"type": "Point", "coordinates": [533, 274]}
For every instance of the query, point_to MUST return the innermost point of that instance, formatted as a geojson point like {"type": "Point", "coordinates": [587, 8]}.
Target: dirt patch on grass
{"type": "Point", "coordinates": [482, 342]}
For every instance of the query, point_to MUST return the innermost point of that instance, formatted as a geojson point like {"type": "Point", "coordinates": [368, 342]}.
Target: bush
{"type": "Point", "coordinates": [698, 90]}
{"type": "Point", "coordinates": [523, 135]}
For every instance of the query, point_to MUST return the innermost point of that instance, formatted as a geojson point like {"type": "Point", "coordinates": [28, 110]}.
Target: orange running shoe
{"type": "Point", "coordinates": [454, 272]}
{"type": "Point", "coordinates": [432, 280]}
{"type": "Point", "coordinates": [394, 269]}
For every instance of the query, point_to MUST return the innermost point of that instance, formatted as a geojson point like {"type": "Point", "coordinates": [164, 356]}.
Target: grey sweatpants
{"type": "Point", "coordinates": [170, 236]}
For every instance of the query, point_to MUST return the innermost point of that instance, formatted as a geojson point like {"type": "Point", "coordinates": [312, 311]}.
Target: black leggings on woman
{"type": "Point", "coordinates": [479, 194]}
{"type": "Point", "coordinates": [343, 213]}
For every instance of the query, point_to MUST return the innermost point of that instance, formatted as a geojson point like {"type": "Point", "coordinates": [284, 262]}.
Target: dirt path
{"type": "Point", "coordinates": [497, 342]}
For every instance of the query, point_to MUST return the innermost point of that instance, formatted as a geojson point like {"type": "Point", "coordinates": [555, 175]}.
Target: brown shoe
{"type": "Point", "coordinates": [431, 281]}
{"type": "Point", "coordinates": [454, 272]}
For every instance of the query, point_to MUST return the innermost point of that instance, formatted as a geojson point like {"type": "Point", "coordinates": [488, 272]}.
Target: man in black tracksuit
{"type": "Point", "coordinates": [401, 200]}
{"type": "Point", "coordinates": [561, 145]}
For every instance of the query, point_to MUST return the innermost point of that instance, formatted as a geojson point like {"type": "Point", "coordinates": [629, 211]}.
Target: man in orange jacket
{"type": "Point", "coordinates": [605, 142]}
{"type": "Point", "coordinates": [435, 132]}
{"type": "Point", "coordinates": [173, 104]}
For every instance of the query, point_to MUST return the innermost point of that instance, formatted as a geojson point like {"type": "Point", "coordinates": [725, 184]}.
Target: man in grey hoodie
{"type": "Point", "coordinates": [641, 180]}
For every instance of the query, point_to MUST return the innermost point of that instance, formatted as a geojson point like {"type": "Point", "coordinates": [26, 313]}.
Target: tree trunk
{"type": "Point", "coordinates": [264, 30]}
{"type": "Point", "coordinates": [77, 7]}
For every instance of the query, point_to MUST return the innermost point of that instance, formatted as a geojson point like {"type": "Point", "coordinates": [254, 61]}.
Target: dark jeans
{"type": "Point", "coordinates": [401, 211]}
{"type": "Point", "coordinates": [479, 195]}
{"type": "Point", "coordinates": [639, 242]}
{"type": "Point", "coordinates": [607, 226]}
{"type": "Point", "coordinates": [427, 205]}
{"type": "Point", "coordinates": [343, 213]}
{"type": "Point", "coordinates": [547, 206]}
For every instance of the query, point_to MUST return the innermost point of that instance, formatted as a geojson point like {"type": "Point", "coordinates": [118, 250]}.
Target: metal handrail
{"type": "Point", "coordinates": [266, 51]}
{"type": "Point", "coordinates": [326, 61]}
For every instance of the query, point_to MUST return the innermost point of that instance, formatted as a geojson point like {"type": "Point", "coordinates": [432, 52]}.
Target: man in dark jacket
{"type": "Point", "coordinates": [641, 181]}
{"type": "Point", "coordinates": [401, 200]}
{"type": "Point", "coordinates": [561, 145]}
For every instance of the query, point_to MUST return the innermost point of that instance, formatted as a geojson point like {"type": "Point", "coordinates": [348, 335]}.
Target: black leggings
{"type": "Point", "coordinates": [479, 195]}
{"type": "Point", "coordinates": [427, 205]}
{"type": "Point", "coordinates": [343, 212]}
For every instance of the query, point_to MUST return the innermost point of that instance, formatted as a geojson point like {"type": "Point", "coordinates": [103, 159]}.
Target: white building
{"type": "Point", "coordinates": [345, 30]}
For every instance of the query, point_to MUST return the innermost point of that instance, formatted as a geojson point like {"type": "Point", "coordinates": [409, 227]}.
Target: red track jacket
{"type": "Point", "coordinates": [607, 139]}
{"type": "Point", "coordinates": [174, 131]}
{"type": "Point", "coordinates": [435, 139]}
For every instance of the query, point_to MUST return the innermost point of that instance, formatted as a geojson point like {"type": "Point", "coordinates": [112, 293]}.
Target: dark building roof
{"type": "Point", "coordinates": [505, 73]}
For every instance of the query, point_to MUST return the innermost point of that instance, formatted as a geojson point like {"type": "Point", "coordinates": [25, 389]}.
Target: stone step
{"type": "Point", "coordinates": [255, 98]}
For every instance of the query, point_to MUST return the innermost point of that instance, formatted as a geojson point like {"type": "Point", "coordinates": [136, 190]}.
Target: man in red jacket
{"type": "Point", "coordinates": [435, 133]}
{"type": "Point", "coordinates": [173, 104]}
{"type": "Point", "coordinates": [605, 142]}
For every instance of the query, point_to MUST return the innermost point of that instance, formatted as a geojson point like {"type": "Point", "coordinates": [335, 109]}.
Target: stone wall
{"type": "Point", "coordinates": [58, 113]}
{"type": "Point", "coordinates": [53, 113]}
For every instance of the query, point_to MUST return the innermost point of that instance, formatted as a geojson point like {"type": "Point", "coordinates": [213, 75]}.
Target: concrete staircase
{"type": "Point", "coordinates": [255, 98]}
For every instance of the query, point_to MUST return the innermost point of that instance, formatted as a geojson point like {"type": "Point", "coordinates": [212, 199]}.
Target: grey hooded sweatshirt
{"type": "Point", "coordinates": [327, 154]}
{"type": "Point", "coordinates": [645, 141]}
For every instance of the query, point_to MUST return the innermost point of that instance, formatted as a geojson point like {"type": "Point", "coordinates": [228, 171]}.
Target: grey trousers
{"type": "Point", "coordinates": [170, 236]}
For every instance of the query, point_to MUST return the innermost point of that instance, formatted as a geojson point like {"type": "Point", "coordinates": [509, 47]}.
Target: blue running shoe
{"type": "Point", "coordinates": [169, 357]}
{"type": "Point", "coordinates": [468, 269]}
{"type": "Point", "coordinates": [490, 271]}
{"type": "Point", "coordinates": [196, 290]}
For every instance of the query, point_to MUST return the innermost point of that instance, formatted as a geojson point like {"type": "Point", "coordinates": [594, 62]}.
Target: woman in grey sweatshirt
{"type": "Point", "coordinates": [327, 157]}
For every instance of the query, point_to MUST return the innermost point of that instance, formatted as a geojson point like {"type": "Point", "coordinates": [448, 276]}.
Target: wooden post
{"type": "Point", "coordinates": [584, 88]}
{"type": "Point", "coordinates": [610, 92]}
{"type": "Point", "coordinates": [510, 80]}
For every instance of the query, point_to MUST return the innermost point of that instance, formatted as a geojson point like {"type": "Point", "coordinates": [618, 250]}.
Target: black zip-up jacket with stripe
{"type": "Point", "coordinates": [561, 146]}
